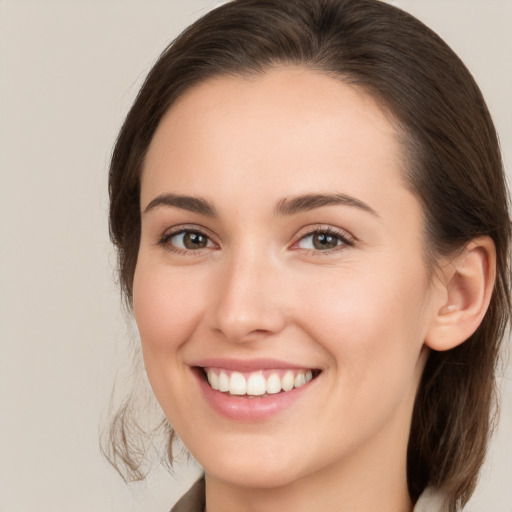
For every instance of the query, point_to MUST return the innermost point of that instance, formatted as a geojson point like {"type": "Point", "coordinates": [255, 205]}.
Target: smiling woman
{"type": "Point", "coordinates": [311, 217]}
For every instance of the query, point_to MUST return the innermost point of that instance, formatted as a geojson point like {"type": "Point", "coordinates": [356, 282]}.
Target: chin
{"type": "Point", "coordinates": [254, 466]}
{"type": "Point", "coordinates": [253, 475]}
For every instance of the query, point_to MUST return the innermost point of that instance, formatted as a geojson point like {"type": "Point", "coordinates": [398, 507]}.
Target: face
{"type": "Point", "coordinates": [281, 292]}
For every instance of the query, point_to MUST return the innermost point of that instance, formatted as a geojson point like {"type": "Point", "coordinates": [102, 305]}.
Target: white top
{"type": "Point", "coordinates": [430, 501]}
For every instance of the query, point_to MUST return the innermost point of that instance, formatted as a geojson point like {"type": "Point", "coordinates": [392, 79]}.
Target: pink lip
{"type": "Point", "coordinates": [242, 408]}
{"type": "Point", "coordinates": [247, 365]}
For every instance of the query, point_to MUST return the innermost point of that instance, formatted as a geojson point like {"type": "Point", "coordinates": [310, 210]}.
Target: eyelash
{"type": "Point", "coordinates": [165, 240]}
{"type": "Point", "coordinates": [344, 238]}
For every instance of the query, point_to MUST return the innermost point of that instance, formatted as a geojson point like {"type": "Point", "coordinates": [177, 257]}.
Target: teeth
{"type": "Point", "coordinates": [237, 384]}
{"type": "Point", "coordinates": [273, 384]}
{"type": "Point", "coordinates": [300, 380]}
{"type": "Point", "coordinates": [223, 382]}
{"type": "Point", "coordinates": [288, 381]}
{"type": "Point", "coordinates": [255, 383]}
{"type": "Point", "coordinates": [213, 379]}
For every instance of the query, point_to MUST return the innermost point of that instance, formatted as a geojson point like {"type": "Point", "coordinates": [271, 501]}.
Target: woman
{"type": "Point", "coordinates": [311, 216]}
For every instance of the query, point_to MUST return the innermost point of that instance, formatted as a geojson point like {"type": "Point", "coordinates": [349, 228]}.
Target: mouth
{"type": "Point", "coordinates": [257, 384]}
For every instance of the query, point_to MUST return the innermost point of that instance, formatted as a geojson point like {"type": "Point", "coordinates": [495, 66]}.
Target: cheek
{"type": "Point", "coordinates": [166, 307]}
{"type": "Point", "coordinates": [374, 338]}
{"type": "Point", "coordinates": [372, 323]}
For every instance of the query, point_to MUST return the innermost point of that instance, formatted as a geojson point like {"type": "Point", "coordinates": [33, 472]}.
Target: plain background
{"type": "Point", "coordinates": [69, 71]}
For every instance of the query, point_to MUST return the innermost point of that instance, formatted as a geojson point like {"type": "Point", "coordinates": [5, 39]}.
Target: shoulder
{"type": "Point", "coordinates": [431, 500]}
{"type": "Point", "coordinates": [193, 500]}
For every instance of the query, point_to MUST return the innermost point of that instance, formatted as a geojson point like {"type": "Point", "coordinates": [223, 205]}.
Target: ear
{"type": "Point", "coordinates": [467, 282]}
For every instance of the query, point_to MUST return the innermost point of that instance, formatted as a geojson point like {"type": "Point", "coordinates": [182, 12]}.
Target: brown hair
{"type": "Point", "coordinates": [454, 168]}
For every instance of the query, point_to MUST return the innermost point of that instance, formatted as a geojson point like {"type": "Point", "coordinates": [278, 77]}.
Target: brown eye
{"type": "Point", "coordinates": [323, 241]}
{"type": "Point", "coordinates": [194, 241]}
{"type": "Point", "coordinates": [189, 240]}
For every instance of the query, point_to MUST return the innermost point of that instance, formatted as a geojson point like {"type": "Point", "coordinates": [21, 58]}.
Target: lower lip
{"type": "Point", "coordinates": [242, 408]}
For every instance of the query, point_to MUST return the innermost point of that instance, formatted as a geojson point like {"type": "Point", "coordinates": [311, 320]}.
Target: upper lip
{"type": "Point", "coordinates": [248, 365]}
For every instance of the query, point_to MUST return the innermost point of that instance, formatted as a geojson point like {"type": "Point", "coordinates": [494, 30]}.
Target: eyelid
{"type": "Point", "coordinates": [184, 228]}
{"type": "Point", "coordinates": [347, 239]}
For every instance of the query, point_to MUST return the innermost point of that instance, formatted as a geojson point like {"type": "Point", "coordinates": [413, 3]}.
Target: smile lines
{"type": "Point", "coordinates": [259, 383]}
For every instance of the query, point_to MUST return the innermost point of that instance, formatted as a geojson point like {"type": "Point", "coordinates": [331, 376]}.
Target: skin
{"type": "Point", "coordinates": [359, 312]}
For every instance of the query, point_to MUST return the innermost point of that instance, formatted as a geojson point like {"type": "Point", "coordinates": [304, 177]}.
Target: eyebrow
{"type": "Point", "coordinates": [308, 202]}
{"type": "Point", "coordinates": [285, 207]}
{"type": "Point", "coordinates": [192, 204]}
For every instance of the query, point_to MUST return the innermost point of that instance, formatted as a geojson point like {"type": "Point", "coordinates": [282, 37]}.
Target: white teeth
{"type": "Point", "coordinates": [273, 384]}
{"type": "Point", "coordinates": [256, 384]}
{"type": "Point", "coordinates": [288, 381]}
{"type": "Point", "coordinates": [223, 382]}
{"type": "Point", "coordinates": [236, 383]}
{"type": "Point", "coordinates": [213, 379]}
{"type": "Point", "coordinates": [300, 380]}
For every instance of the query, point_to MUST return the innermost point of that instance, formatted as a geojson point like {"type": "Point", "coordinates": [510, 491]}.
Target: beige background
{"type": "Point", "coordinates": [68, 72]}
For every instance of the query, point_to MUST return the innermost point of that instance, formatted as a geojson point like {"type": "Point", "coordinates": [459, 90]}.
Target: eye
{"type": "Point", "coordinates": [324, 240]}
{"type": "Point", "coordinates": [186, 240]}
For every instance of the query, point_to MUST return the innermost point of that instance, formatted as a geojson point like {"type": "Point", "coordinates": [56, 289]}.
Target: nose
{"type": "Point", "coordinates": [248, 305]}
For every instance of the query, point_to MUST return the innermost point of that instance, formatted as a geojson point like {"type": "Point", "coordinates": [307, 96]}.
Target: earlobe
{"type": "Point", "coordinates": [468, 282]}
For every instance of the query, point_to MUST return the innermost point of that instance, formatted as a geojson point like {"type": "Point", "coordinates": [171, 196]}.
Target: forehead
{"type": "Point", "coordinates": [284, 132]}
